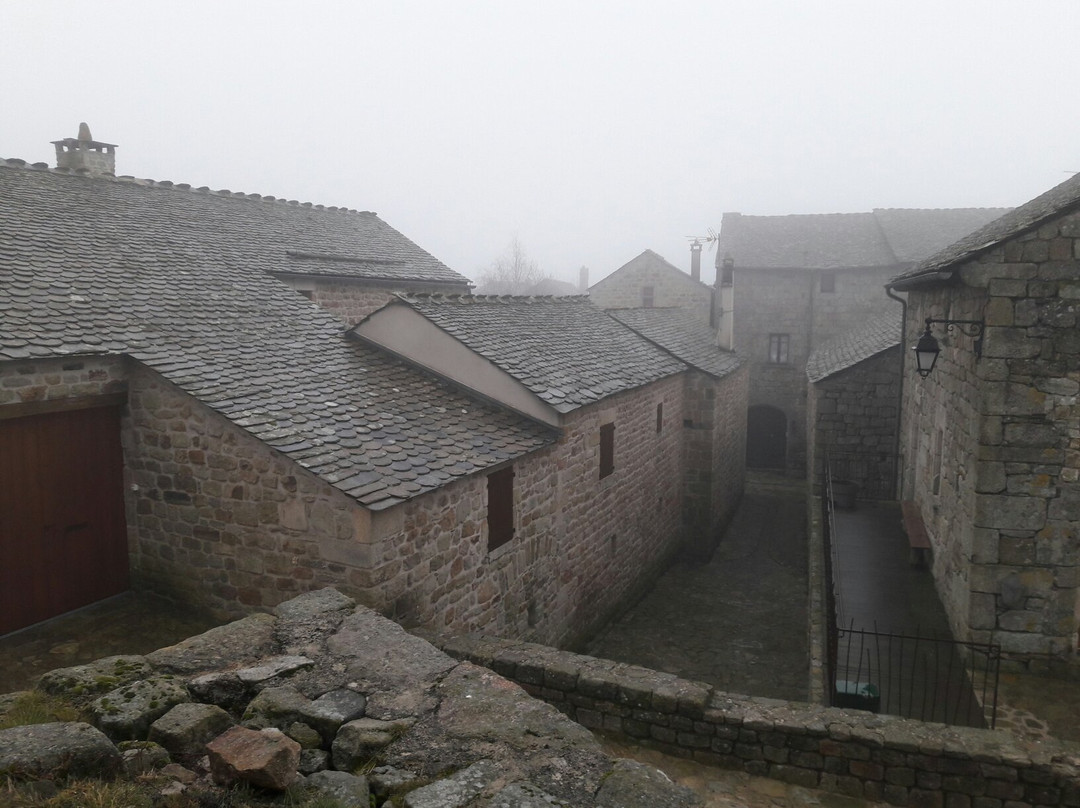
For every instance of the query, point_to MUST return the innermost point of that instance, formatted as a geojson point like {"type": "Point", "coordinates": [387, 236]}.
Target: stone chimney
{"type": "Point", "coordinates": [85, 154]}
{"type": "Point", "coordinates": [583, 280]}
{"type": "Point", "coordinates": [695, 260]}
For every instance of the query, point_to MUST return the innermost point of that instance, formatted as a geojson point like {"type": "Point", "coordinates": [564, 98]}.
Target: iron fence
{"type": "Point", "coordinates": [910, 675]}
{"type": "Point", "coordinates": [928, 678]}
{"type": "Point", "coordinates": [872, 473]}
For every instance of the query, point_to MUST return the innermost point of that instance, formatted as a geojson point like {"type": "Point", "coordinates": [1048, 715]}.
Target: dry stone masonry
{"type": "Point", "coordinates": [859, 754]}
{"type": "Point", "coordinates": [333, 697]}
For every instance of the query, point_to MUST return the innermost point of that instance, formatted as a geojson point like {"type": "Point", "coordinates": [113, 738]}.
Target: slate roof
{"type": "Point", "coordinates": [175, 279]}
{"type": "Point", "coordinates": [564, 349]}
{"type": "Point", "coordinates": [884, 237]}
{"type": "Point", "coordinates": [686, 337]}
{"type": "Point", "coordinates": [1058, 200]}
{"type": "Point", "coordinates": [852, 347]}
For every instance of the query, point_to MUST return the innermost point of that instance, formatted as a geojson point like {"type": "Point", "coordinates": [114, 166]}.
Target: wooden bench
{"type": "Point", "coordinates": [918, 540]}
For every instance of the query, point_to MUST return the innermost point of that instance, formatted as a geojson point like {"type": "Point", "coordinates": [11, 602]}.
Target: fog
{"type": "Point", "coordinates": [590, 131]}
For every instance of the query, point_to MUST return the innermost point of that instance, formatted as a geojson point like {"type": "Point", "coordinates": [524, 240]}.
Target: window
{"type": "Point", "coordinates": [659, 417]}
{"type": "Point", "coordinates": [607, 450]}
{"type": "Point", "coordinates": [828, 282]}
{"type": "Point", "coordinates": [308, 293]}
{"type": "Point", "coordinates": [779, 348]}
{"type": "Point", "coordinates": [500, 489]}
{"type": "Point", "coordinates": [648, 297]}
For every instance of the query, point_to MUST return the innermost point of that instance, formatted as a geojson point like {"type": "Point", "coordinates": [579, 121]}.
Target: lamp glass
{"type": "Point", "coordinates": [926, 353]}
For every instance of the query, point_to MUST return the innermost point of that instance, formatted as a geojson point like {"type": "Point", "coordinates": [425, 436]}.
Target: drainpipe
{"type": "Point", "coordinates": [900, 394]}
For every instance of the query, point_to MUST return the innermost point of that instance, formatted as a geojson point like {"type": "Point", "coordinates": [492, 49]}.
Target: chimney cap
{"type": "Point", "coordinates": [84, 138]}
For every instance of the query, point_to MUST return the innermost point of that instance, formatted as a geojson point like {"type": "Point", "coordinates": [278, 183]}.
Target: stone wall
{"type": "Point", "coordinates": [1005, 515]}
{"type": "Point", "coordinates": [671, 288]}
{"type": "Point", "coordinates": [53, 379]}
{"type": "Point", "coordinates": [583, 545]}
{"type": "Point", "coordinates": [219, 520]}
{"type": "Point", "coordinates": [353, 300]}
{"type": "Point", "coordinates": [859, 754]}
{"type": "Point", "coordinates": [714, 448]}
{"type": "Point", "coordinates": [856, 412]}
{"type": "Point", "coordinates": [790, 301]}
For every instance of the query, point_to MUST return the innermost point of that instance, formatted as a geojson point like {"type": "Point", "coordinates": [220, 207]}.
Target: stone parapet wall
{"type": "Point", "coordinates": [880, 758]}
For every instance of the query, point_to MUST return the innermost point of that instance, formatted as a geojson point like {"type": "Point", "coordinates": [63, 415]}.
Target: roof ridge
{"type": "Point", "coordinates": [18, 163]}
{"type": "Point", "coordinates": [936, 210]}
{"type": "Point", "coordinates": [439, 297]}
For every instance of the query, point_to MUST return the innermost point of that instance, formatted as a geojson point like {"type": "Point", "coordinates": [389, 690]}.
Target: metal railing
{"type": "Point", "coordinates": [928, 678]}
{"type": "Point", "coordinates": [911, 675]}
{"type": "Point", "coordinates": [874, 473]}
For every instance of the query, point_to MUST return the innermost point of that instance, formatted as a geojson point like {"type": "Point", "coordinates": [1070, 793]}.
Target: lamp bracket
{"type": "Point", "coordinates": [971, 328]}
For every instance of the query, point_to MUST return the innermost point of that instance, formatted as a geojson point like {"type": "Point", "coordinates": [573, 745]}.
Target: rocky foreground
{"type": "Point", "coordinates": [328, 695]}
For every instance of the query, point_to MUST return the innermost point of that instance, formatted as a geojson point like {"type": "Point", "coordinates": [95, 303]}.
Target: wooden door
{"type": "Point", "coordinates": [766, 438]}
{"type": "Point", "coordinates": [63, 541]}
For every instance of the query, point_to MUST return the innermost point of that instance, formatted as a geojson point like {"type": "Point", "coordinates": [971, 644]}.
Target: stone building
{"type": "Point", "coordinates": [175, 417]}
{"type": "Point", "coordinates": [649, 281]}
{"type": "Point", "coordinates": [853, 407]}
{"type": "Point", "coordinates": [990, 440]}
{"type": "Point", "coordinates": [802, 280]}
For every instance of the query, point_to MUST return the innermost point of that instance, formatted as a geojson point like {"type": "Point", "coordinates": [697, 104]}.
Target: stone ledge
{"type": "Point", "coordinates": [898, 760]}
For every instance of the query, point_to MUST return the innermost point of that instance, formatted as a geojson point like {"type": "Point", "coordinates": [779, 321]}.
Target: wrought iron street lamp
{"type": "Point", "coordinates": [927, 348]}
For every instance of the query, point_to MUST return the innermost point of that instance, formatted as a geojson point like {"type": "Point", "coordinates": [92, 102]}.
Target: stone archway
{"type": "Point", "coordinates": [766, 437]}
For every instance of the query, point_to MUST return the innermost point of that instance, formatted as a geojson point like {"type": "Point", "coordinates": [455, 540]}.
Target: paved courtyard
{"type": "Point", "coordinates": [738, 622]}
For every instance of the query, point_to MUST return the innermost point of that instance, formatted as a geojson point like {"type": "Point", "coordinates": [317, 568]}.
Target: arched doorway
{"type": "Point", "coordinates": [766, 437]}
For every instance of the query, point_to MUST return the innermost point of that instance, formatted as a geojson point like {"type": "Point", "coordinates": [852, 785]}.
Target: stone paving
{"type": "Point", "coordinates": [738, 622]}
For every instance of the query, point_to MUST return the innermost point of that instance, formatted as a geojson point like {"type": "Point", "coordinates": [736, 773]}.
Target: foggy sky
{"type": "Point", "coordinates": [592, 131]}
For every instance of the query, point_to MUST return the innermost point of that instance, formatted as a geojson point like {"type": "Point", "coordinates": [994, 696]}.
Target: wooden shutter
{"type": "Point", "coordinates": [500, 507]}
{"type": "Point", "coordinates": [607, 450]}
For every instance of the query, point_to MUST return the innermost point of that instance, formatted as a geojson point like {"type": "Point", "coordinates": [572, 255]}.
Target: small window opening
{"type": "Point", "coordinates": [659, 417]}
{"type": "Point", "coordinates": [607, 450]}
{"type": "Point", "coordinates": [648, 297]}
{"type": "Point", "coordinates": [500, 490]}
{"type": "Point", "coordinates": [828, 282]}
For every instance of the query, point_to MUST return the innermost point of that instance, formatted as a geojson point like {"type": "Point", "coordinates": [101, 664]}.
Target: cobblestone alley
{"type": "Point", "coordinates": [740, 621]}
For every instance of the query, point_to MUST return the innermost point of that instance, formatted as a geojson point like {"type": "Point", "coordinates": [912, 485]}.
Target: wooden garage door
{"type": "Point", "coordinates": [63, 542]}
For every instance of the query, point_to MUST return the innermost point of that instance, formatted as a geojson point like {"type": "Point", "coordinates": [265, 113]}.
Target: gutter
{"type": "Point", "coordinates": [900, 392]}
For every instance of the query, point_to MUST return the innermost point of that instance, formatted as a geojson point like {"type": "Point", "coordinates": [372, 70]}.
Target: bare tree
{"type": "Point", "coordinates": [513, 273]}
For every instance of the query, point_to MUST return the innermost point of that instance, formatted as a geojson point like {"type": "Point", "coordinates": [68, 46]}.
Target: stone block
{"type": "Point", "coordinates": [982, 614]}
{"type": "Point", "coordinates": [990, 477]}
{"type": "Point", "coordinates": [57, 749]}
{"type": "Point", "coordinates": [1009, 512]}
{"type": "Point", "coordinates": [187, 728]}
{"type": "Point", "coordinates": [265, 758]}
{"type": "Point", "coordinates": [126, 713]}
{"type": "Point", "coordinates": [1010, 343]}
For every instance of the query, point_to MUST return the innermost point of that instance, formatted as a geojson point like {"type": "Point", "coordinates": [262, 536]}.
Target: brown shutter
{"type": "Point", "coordinates": [607, 450]}
{"type": "Point", "coordinates": [500, 507]}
